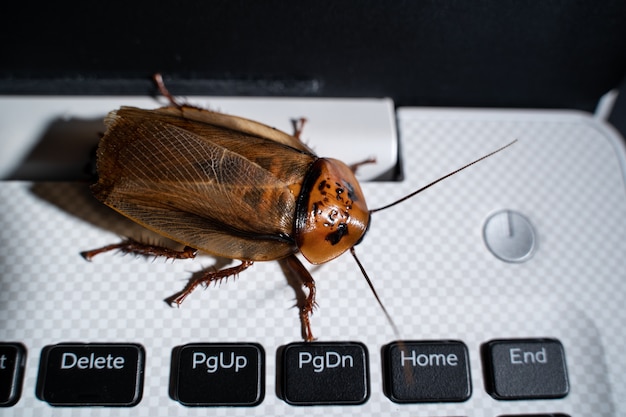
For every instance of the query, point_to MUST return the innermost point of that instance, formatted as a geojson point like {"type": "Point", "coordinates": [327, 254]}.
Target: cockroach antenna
{"type": "Point", "coordinates": [408, 196]}
{"type": "Point", "coordinates": [414, 193]}
{"type": "Point", "coordinates": [380, 303]}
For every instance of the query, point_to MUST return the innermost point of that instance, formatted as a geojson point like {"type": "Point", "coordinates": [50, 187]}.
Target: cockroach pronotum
{"type": "Point", "coordinates": [233, 188]}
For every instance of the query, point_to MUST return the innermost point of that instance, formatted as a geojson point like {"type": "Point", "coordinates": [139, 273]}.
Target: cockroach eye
{"type": "Point", "coordinates": [369, 223]}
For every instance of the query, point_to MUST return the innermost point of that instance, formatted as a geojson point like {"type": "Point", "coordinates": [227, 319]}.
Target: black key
{"type": "Point", "coordinates": [74, 374]}
{"type": "Point", "coordinates": [324, 373]}
{"type": "Point", "coordinates": [426, 371]}
{"type": "Point", "coordinates": [212, 374]}
{"type": "Point", "coordinates": [537, 415]}
{"type": "Point", "coordinates": [12, 361]}
{"type": "Point", "coordinates": [525, 369]}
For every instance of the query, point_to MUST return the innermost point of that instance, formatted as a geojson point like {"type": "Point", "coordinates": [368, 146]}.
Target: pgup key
{"type": "Point", "coordinates": [218, 374]}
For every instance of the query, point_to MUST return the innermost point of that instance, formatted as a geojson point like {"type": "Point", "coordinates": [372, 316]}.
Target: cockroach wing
{"type": "Point", "coordinates": [235, 123]}
{"type": "Point", "coordinates": [194, 191]}
{"type": "Point", "coordinates": [260, 145]}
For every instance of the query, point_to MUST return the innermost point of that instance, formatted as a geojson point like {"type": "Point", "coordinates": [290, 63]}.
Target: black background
{"type": "Point", "coordinates": [478, 53]}
{"type": "Point", "coordinates": [550, 53]}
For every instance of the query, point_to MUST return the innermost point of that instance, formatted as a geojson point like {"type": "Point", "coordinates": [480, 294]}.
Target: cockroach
{"type": "Point", "coordinates": [233, 188]}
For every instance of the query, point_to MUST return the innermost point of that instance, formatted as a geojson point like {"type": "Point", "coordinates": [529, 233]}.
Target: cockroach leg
{"type": "Point", "coordinates": [305, 302]}
{"type": "Point", "coordinates": [205, 278]}
{"type": "Point", "coordinates": [356, 165]}
{"type": "Point", "coordinates": [158, 80]}
{"type": "Point", "coordinates": [89, 254]}
{"type": "Point", "coordinates": [143, 249]}
{"type": "Point", "coordinates": [298, 126]}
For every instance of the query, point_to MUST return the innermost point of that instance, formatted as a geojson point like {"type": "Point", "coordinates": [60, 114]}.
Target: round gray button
{"type": "Point", "coordinates": [509, 236]}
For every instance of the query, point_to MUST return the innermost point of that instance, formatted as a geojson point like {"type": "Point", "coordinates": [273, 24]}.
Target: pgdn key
{"type": "Point", "coordinates": [324, 373]}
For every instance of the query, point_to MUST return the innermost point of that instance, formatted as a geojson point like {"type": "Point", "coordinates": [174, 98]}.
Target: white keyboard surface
{"type": "Point", "coordinates": [552, 299]}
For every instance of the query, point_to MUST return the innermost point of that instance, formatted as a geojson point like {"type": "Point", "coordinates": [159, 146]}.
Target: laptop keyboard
{"type": "Point", "coordinates": [484, 328]}
{"type": "Point", "coordinates": [337, 373]}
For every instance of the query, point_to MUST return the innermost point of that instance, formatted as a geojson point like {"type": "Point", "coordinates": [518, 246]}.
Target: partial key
{"type": "Point", "coordinates": [12, 361]}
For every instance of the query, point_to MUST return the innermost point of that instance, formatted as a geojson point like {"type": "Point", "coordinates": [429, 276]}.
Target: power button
{"type": "Point", "coordinates": [510, 236]}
